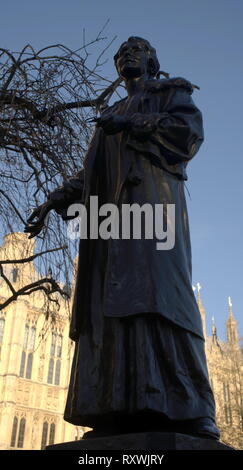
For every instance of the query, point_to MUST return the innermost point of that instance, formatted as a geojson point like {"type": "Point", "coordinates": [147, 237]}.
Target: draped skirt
{"type": "Point", "coordinates": [135, 365]}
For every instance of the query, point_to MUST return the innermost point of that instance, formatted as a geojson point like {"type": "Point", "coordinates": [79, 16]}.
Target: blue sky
{"type": "Point", "coordinates": [203, 42]}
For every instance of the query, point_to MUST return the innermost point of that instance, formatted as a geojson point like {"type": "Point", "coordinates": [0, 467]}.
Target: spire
{"type": "Point", "coordinates": [200, 306]}
{"type": "Point", "coordinates": [231, 325]}
{"type": "Point", "coordinates": [230, 308]}
{"type": "Point", "coordinates": [215, 341]}
{"type": "Point", "coordinates": [199, 300]}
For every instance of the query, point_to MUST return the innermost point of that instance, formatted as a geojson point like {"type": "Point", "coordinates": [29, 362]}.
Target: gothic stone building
{"type": "Point", "coordinates": [35, 360]}
{"type": "Point", "coordinates": [225, 368]}
{"type": "Point", "coordinates": [36, 355]}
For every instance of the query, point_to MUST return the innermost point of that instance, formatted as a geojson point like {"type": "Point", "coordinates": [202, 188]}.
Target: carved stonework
{"type": "Point", "coordinates": [26, 398]}
{"type": "Point", "coordinates": [27, 394]}
{"type": "Point", "coordinates": [38, 395]}
{"type": "Point", "coordinates": [32, 318]}
{"type": "Point", "coordinates": [35, 430]}
{"type": "Point", "coordinates": [19, 394]}
{"type": "Point", "coordinates": [41, 360]}
{"type": "Point", "coordinates": [52, 398]}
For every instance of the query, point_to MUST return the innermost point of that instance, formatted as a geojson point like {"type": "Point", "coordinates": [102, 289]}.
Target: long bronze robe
{"type": "Point", "coordinates": [136, 323]}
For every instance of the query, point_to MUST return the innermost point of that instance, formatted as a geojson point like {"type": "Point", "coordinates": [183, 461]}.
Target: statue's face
{"type": "Point", "coordinates": [132, 60]}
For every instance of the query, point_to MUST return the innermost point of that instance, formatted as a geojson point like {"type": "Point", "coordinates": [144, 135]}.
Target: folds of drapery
{"type": "Point", "coordinates": [168, 126]}
{"type": "Point", "coordinates": [173, 135]}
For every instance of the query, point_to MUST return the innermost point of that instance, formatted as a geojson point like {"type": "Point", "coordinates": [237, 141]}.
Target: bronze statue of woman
{"type": "Point", "coordinates": [139, 361]}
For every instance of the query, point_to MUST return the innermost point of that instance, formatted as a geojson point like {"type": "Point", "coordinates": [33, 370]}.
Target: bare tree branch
{"type": "Point", "coordinates": [31, 258]}
{"type": "Point", "coordinates": [46, 100]}
{"type": "Point", "coordinates": [33, 287]}
{"type": "Point", "coordinates": [47, 115]}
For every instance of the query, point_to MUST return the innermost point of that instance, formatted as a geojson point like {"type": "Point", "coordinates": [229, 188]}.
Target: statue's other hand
{"type": "Point", "coordinates": [34, 227]}
{"type": "Point", "coordinates": [113, 124]}
{"type": "Point", "coordinates": [143, 124]}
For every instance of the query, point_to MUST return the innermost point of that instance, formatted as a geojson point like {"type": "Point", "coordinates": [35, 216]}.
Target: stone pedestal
{"type": "Point", "coordinates": [144, 441]}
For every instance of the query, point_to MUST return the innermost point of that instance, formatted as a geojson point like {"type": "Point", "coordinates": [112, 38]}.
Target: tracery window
{"type": "Point", "coordinates": [18, 432]}
{"type": "Point", "coordinates": [14, 432]}
{"type": "Point", "coordinates": [27, 352]}
{"type": "Point", "coordinates": [21, 433]}
{"type": "Point", "coordinates": [54, 369]}
{"type": "Point", "coordinates": [48, 434]}
{"type": "Point", "coordinates": [52, 434]}
{"type": "Point", "coordinates": [15, 272]}
{"type": "Point", "coordinates": [44, 435]}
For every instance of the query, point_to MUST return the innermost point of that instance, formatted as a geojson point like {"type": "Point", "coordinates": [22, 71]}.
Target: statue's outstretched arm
{"type": "Point", "coordinates": [72, 191]}
{"type": "Point", "coordinates": [60, 199]}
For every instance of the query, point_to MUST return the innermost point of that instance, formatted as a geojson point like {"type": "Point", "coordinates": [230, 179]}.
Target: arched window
{"type": "Point", "coordinates": [44, 435]}
{"type": "Point", "coordinates": [22, 364]}
{"type": "Point", "coordinates": [50, 371]}
{"type": "Point", "coordinates": [57, 372]}
{"type": "Point", "coordinates": [54, 369]}
{"type": "Point", "coordinates": [52, 434]}
{"type": "Point", "coordinates": [29, 366]}
{"type": "Point", "coordinates": [14, 432]}
{"type": "Point", "coordinates": [53, 344]}
{"type": "Point", "coordinates": [21, 433]}
{"type": "Point", "coordinates": [15, 274]}
{"type": "Point", "coordinates": [18, 429]}
{"type": "Point", "coordinates": [59, 346]}
{"type": "Point", "coordinates": [29, 345]}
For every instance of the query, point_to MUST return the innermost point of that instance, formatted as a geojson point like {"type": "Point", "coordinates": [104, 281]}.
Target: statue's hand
{"type": "Point", "coordinates": [143, 125]}
{"type": "Point", "coordinates": [40, 213]}
{"type": "Point", "coordinates": [114, 123]}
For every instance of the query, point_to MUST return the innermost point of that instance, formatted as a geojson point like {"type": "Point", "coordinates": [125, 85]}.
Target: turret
{"type": "Point", "coordinates": [231, 325]}
{"type": "Point", "coordinates": [201, 308]}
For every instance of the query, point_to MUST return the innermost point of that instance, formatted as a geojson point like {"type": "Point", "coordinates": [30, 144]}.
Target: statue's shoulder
{"type": "Point", "coordinates": [156, 86]}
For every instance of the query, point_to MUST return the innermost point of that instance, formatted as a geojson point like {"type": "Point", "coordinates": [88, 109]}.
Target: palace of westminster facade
{"type": "Point", "coordinates": [36, 356]}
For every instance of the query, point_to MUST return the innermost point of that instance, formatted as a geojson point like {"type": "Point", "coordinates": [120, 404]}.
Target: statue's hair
{"type": "Point", "coordinates": [153, 60]}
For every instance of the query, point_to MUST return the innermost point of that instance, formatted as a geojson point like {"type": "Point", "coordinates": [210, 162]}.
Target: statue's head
{"type": "Point", "coordinates": [136, 57]}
